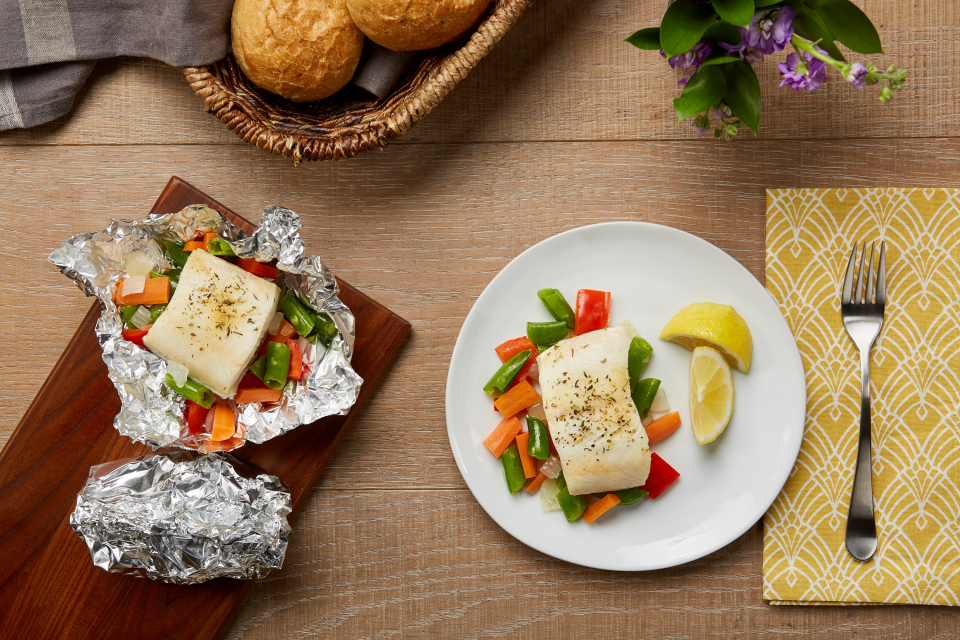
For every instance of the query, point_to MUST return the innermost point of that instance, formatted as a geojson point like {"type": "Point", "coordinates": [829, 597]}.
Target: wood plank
{"type": "Point", "coordinates": [432, 564]}
{"type": "Point", "coordinates": [46, 576]}
{"type": "Point", "coordinates": [564, 73]}
{"type": "Point", "coordinates": [423, 229]}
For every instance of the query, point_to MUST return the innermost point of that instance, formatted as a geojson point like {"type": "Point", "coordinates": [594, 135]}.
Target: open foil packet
{"type": "Point", "coordinates": [183, 517]}
{"type": "Point", "coordinates": [154, 414]}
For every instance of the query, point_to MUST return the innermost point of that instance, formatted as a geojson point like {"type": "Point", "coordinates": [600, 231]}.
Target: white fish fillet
{"type": "Point", "coordinates": [215, 321]}
{"type": "Point", "coordinates": [593, 420]}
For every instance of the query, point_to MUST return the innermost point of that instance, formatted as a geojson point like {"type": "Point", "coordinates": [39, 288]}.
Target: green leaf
{"type": "Point", "coordinates": [764, 3]}
{"type": "Point", "coordinates": [723, 32]}
{"type": "Point", "coordinates": [719, 60]}
{"type": "Point", "coordinates": [704, 90]}
{"type": "Point", "coordinates": [809, 25]}
{"type": "Point", "coordinates": [814, 4]}
{"type": "Point", "coordinates": [648, 39]}
{"type": "Point", "coordinates": [851, 26]}
{"type": "Point", "coordinates": [683, 25]}
{"type": "Point", "coordinates": [736, 12]}
{"type": "Point", "coordinates": [743, 92]}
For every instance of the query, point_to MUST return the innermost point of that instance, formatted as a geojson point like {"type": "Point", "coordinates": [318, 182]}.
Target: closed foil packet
{"type": "Point", "coordinates": [183, 518]}
{"type": "Point", "coordinates": [151, 412]}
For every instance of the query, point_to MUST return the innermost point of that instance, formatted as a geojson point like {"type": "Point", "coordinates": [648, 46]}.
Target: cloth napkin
{"type": "Point", "coordinates": [915, 398]}
{"type": "Point", "coordinates": [48, 48]}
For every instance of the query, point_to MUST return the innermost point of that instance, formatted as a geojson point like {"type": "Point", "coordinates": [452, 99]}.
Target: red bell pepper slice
{"type": "Point", "coordinates": [296, 359]}
{"type": "Point", "coordinates": [196, 416]}
{"type": "Point", "coordinates": [250, 381]}
{"type": "Point", "coordinates": [661, 477]}
{"type": "Point", "coordinates": [593, 311]}
{"type": "Point", "coordinates": [511, 348]}
{"type": "Point", "coordinates": [136, 336]}
{"type": "Point", "coordinates": [258, 268]}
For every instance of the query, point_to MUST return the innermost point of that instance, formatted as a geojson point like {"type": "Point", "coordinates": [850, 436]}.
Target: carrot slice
{"type": "Point", "coordinates": [529, 466]}
{"type": "Point", "coordinates": [246, 396]}
{"type": "Point", "coordinates": [258, 268]}
{"type": "Point", "coordinates": [155, 291]}
{"type": "Point", "coordinates": [207, 237]}
{"type": "Point", "coordinates": [517, 399]}
{"type": "Point", "coordinates": [501, 438]}
{"type": "Point", "coordinates": [224, 422]}
{"type": "Point", "coordinates": [193, 245]}
{"type": "Point", "coordinates": [663, 427]}
{"type": "Point", "coordinates": [296, 359]}
{"type": "Point", "coordinates": [534, 486]}
{"type": "Point", "coordinates": [600, 507]}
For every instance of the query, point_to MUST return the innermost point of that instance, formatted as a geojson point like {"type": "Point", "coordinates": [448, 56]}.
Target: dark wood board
{"type": "Point", "coordinates": [49, 587]}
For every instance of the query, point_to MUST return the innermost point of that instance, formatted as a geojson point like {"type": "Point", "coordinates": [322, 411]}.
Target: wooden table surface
{"type": "Point", "coordinates": [563, 125]}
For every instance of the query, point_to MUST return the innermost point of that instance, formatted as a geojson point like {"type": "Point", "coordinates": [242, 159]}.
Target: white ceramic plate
{"type": "Point", "coordinates": [652, 272]}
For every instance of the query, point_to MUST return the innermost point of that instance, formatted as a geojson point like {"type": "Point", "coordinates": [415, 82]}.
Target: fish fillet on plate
{"type": "Point", "coordinates": [593, 420]}
{"type": "Point", "coordinates": [215, 321]}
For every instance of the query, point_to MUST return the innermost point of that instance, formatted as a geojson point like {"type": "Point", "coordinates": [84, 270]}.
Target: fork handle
{"type": "Point", "coordinates": [861, 535]}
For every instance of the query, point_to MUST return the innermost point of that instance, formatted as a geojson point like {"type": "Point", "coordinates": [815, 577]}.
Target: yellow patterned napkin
{"type": "Point", "coordinates": [915, 398]}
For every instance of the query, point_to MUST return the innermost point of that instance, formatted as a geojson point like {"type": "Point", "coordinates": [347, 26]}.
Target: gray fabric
{"type": "Point", "coordinates": [49, 47]}
{"type": "Point", "coordinates": [380, 68]}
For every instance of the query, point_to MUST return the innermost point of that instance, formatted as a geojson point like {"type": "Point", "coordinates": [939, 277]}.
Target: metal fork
{"type": "Point", "coordinates": [862, 318]}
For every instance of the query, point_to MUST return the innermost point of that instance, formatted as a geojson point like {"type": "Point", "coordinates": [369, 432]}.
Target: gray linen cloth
{"type": "Point", "coordinates": [49, 47]}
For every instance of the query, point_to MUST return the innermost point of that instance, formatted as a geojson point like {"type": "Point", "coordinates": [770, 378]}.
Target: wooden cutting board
{"type": "Point", "coordinates": [49, 587]}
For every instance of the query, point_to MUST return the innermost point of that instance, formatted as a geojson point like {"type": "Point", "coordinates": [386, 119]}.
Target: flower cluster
{"type": "Point", "coordinates": [691, 60]}
{"type": "Point", "coordinates": [769, 32]}
{"type": "Point", "coordinates": [804, 72]}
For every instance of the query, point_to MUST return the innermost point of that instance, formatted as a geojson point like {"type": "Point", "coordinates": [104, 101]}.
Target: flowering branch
{"type": "Point", "coordinates": [856, 74]}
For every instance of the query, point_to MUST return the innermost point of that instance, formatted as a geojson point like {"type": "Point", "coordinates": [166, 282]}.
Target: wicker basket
{"type": "Point", "coordinates": [349, 122]}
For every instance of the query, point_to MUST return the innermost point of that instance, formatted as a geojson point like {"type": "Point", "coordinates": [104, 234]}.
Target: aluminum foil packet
{"type": "Point", "coordinates": [154, 414]}
{"type": "Point", "coordinates": [183, 517]}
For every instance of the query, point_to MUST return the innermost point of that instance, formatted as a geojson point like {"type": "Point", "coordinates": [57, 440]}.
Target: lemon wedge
{"type": "Point", "coordinates": [706, 324]}
{"type": "Point", "coordinates": [711, 394]}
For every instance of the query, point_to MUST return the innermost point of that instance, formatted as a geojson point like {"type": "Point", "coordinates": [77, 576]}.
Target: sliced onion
{"type": "Point", "coordinates": [548, 496]}
{"type": "Point", "coordinates": [177, 371]}
{"type": "Point", "coordinates": [208, 423]}
{"type": "Point", "coordinates": [647, 419]}
{"type": "Point", "coordinates": [141, 318]}
{"type": "Point", "coordinates": [138, 263]}
{"type": "Point", "coordinates": [274, 325]}
{"type": "Point", "coordinates": [551, 467]}
{"type": "Point", "coordinates": [134, 284]}
{"type": "Point", "coordinates": [660, 403]}
{"type": "Point", "coordinates": [537, 412]}
{"type": "Point", "coordinates": [534, 373]}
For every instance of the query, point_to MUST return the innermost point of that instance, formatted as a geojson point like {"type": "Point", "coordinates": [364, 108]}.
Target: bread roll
{"type": "Point", "coordinates": [303, 50]}
{"type": "Point", "coordinates": [411, 25]}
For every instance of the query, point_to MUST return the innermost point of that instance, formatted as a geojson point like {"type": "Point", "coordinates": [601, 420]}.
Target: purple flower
{"type": "Point", "coordinates": [856, 75]}
{"type": "Point", "coordinates": [768, 32]}
{"type": "Point", "coordinates": [691, 59]}
{"type": "Point", "coordinates": [721, 111]}
{"type": "Point", "coordinates": [701, 124]}
{"type": "Point", "coordinates": [809, 78]}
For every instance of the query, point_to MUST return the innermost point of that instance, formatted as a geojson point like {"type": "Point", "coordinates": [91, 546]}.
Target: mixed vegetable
{"type": "Point", "coordinates": [142, 298]}
{"type": "Point", "coordinates": [529, 458]}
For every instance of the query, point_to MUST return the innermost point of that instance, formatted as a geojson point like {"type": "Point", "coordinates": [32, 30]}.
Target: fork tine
{"type": "Point", "coordinates": [848, 278]}
{"type": "Point", "coordinates": [882, 275]}
{"type": "Point", "coordinates": [869, 274]}
{"type": "Point", "coordinates": [858, 298]}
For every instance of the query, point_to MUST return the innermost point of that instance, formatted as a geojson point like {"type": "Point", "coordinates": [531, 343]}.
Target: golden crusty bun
{"type": "Point", "coordinates": [411, 25]}
{"type": "Point", "coordinates": [303, 50]}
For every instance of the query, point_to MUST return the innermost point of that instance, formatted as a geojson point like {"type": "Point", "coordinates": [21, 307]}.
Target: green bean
{"type": "Point", "coordinates": [637, 358]}
{"type": "Point", "coordinates": [278, 365]}
{"type": "Point", "coordinates": [127, 312]}
{"type": "Point", "coordinates": [259, 368]}
{"type": "Point", "coordinates": [573, 506]}
{"type": "Point", "coordinates": [297, 314]}
{"type": "Point", "coordinates": [505, 374]}
{"type": "Point", "coordinates": [513, 469]}
{"type": "Point", "coordinates": [557, 305]}
{"type": "Point", "coordinates": [539, 443]}
{"type": "Point", "coordinates": [644, 395]}
{"type": "Point", "coordinates": [326, 327]}
{"type": "Point", "coordinates": [193, 391]}
{"type": "Point", "coordinates": [630, 496]}
{"type": "Point", "coordinates": [546, 332]}
{"type": "Point", "coordinates": [176, 252]}
{"type": "Point", "coordinates": [220, 247]}
{"type": "Point", "coordinates": [543, 347]}
{"type": "Point", "coordinates": [155, 311]}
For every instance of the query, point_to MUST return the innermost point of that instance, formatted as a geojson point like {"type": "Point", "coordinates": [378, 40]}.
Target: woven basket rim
{"type": "Point", "coordinates": [435, 79]}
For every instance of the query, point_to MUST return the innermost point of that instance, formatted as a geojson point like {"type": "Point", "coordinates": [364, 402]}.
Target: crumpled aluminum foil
{"type": "Point", "coordinates": [184, 518]}
{"type": "Point", "coordinates": [151, 412]}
